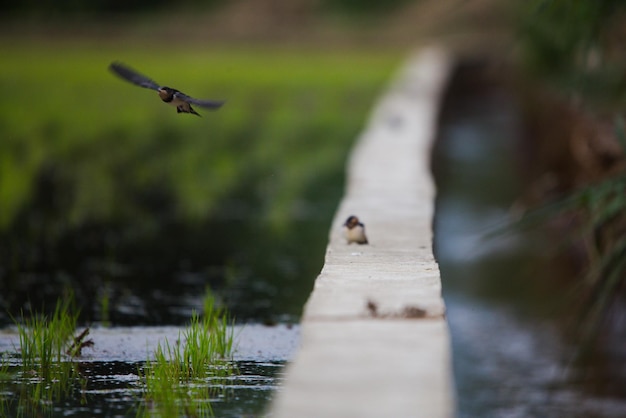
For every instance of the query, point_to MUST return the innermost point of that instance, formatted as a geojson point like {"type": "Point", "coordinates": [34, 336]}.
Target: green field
{"type": "Point", "coordinates": [81, 149]}
{"type": "Point", "coordinates": [289, 116]}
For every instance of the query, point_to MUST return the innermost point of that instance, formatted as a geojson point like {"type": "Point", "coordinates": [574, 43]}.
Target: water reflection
{"type": "Point", "coordinates": [258, 272]}
{"type": "Point", "coordinates": [502, 291]}
{"type": "Point", "coordinates": [107, 379]}
{"type": "Point", "coordinates": [112, 389]}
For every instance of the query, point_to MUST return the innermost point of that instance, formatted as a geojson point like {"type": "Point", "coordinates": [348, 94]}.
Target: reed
{"type": "Point", "coordinates": [598, 212]}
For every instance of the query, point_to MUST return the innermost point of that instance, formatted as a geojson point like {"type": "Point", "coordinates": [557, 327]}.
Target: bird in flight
{"type": "Point", "coordinates": [181, 101]}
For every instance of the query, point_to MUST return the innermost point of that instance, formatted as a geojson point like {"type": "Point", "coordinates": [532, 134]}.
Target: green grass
{"type": "Point", "coordinates": [289, 115]}
{"type": "Point", "coordinates": [44, 340]}
{"type": "Point", "coordinates": [46, 372]}
{"type": "Point", "coordinates": [180, 380]}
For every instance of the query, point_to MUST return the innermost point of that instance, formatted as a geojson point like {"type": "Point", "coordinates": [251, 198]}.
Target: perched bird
{"type": "Point", "coordinates": [354, 230]}
{"type": "Point", "coordinates": [181, 101]}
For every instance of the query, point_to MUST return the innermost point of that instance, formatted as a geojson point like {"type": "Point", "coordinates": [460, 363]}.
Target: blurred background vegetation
{"type": "Point", "coordinates": [107, 190]}
{"type": "Point", "coordinates": [104, 189]}
{"type": "Point", "coordinates": [574, 101]}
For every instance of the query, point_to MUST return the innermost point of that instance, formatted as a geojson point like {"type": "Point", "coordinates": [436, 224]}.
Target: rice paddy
{"type": "Point", "coordinates": [178, 378]}
{"type": "Point", "coordinates": [100, 179]}
{"type": "Point", "coordinates": [105, 189]}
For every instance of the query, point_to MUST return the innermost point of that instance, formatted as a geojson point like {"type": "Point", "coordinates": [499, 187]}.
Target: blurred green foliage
{"type": "Point", "coordinates": [578, 45]}
{"type": "Point", "coordinates": [65, 120]}
{"type": "Point", "coordinates": [577, 48]}
{"type": "Point", "coordinates": [100, 181]}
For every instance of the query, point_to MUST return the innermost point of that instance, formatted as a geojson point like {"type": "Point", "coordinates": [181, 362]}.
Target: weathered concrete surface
{"type": "Point", "coordinates": [375, 341]}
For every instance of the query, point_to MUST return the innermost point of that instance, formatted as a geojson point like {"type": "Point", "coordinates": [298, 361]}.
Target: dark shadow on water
{"type": "Point", "coordinates": [148, 264]}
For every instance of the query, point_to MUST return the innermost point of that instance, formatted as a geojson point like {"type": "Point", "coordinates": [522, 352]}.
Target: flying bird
{"type": "Point", "coordinates": [354, 230]}
{"type": "Point", "coordinates": [181, 101]}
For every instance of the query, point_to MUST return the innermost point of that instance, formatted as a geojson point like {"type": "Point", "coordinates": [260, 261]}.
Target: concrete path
{"type": "Point", "coordinates": [374, 339]}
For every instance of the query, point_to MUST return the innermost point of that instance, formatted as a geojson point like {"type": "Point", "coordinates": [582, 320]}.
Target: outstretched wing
{"type": "Point", "coordinates": [207, 104]}
{"type": "Point", "coordinates": [133, 76]}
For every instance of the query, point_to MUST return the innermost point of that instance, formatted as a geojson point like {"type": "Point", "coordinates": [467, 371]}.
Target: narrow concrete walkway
{"type": "Point", "coordinates": [375, 341]}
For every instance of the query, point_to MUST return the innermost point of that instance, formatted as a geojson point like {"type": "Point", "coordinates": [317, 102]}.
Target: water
{"type": "Point", "coordinates": [258, 273]}
{"type": "Point", "coordinates": [503, 292]}
{"type": "Point", "coordinates": [110, 370]}
{"type": "Point", "coordinates": [261, 269]}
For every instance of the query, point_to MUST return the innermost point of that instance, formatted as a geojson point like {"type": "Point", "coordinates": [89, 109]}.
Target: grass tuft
{"type": "Point", "coordinates": [182, 378]}
{"type": "Point", "coordinates": [47, 347]}
{"type": "Point", "coordinates": [43, 339]}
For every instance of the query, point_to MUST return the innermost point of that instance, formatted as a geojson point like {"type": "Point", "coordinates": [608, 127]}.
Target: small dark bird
{"type": "Point", "coordinates": [354, 230]}
{"type": "Point", "coordinates": [181, 101]}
